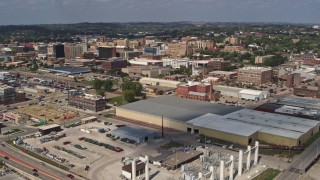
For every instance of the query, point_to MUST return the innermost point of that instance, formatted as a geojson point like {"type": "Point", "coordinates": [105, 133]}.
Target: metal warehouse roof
{"type": "Point", "coordinates": [216, 122]}
{"type": "Point", "coordinates": [277, 120]}
{"type": "Point", "coordinates": [281, 132]}
{"type": "Point", "coordinates": [252, 92]}
{"type": "Point", "coordinates": [310, 103]}
{"type": "Point", "coordinates": [177, 108]}
{"type": "Point", "coordinates": [69, 70]}
{"type": "Point", "coordinates": [133, 132]}
{"type": "Point", "coordinates": [49, 127]}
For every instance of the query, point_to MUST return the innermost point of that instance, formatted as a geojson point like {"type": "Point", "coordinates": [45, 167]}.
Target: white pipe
{"type": "Point", "coordinates": [248, 158]}
{"type": "Point", "coordinates": [212, 173]}
{"type": "Point", "coordinates": [200, 176]}
{"type": "Point", "coordinates": [240, 162]}
{"type": "Point", "coordinates": [256, 153]}
{"type": "Point", "coordinates": [134, 169]}
{"type": "Point", "coordinates": [231, 168]}
{"type": "Point", "coordinates": [147, 168]}
{"type": "Point", "coordinates": [221, 170]}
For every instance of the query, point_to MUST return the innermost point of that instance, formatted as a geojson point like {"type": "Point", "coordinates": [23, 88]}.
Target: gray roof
{"type": "Point", "coordinates": [301, 102]}
{"type": "Point", "coordinates": [218, 123]}
{"type": "Point", "coordinates": [133, 132]}
{"type": "Point", "coordinates": [273, 120]}
{"type": "Point", "coordinates": [177, 108]}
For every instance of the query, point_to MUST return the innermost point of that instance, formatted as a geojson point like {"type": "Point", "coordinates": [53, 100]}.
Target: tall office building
{"type": "Point", "coordinates": [58, 50]}
{"type": "Point", "coordinates": [73, 51]}
{"type": "Point", "coordinates": [107, 52]}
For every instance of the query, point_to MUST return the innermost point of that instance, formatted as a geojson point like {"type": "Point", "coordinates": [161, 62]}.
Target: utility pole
{"type": "Point", "coordinates": [162, 127]}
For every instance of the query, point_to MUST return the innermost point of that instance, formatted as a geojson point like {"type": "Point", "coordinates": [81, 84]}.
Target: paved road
{"type": "Point", "coordinates": [302, 163]}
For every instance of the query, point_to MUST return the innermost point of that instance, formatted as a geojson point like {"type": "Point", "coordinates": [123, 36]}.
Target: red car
{"type": "Point", "coordinates": [70, 176]}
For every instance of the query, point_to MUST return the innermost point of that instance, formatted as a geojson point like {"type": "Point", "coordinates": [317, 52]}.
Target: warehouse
{"type": "Point", "coordinates": [44, 130]}
{"type": "Point", "coordinates": [233, 131]}
{"type": "Point", "coordinates": [246, 126]}
{"type": "Point", "coordinates": [228, 123]}
{"type": "Point", "coordinates": [254, 95]}
{"type": "Point", "coordinates": [227, 90]}
{"type": "Point", "coordinates": [159, 82]}
{"type": "Point", "coordinates": [174, 110]}
{"type": "Point", "coordinates": [139, 135]}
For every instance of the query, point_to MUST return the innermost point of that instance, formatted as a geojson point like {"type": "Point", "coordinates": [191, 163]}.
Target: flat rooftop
{"type": "Point", "coordinates": [301, 102]}
{"type": "Point", "coordinates": [218, 123]}
{"type": "Point", "coordinates": [133, 131]}
{"type": "Point", "coordinates": [177, 108]}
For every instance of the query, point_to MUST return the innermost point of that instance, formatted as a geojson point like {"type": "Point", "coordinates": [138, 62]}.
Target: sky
{"type": "Point", "coordinates": [14, 12]}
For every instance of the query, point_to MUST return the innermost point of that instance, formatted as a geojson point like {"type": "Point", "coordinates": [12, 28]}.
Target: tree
{"type": "Point", "coordinates": [100, 92]}
{"type": "Point", "coordinates": [129, 95]}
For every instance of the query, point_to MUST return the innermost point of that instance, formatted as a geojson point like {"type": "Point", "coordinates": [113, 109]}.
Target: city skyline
{"type": "Point", "coordinates": [74, 11]}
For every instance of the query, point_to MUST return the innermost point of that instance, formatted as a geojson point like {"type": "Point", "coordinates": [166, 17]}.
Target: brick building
{"type": "Point", "coordinates": [197, 91]}
{"type": "Point", "coordinates": [310, 58]}
{"type": "Point", "coordinates": [255, 75]}
{"type": "Point", "coordinates": [293, 80]}
{"type": "Point", "coordinates": [305, 91]}
{"type": "Point", "coordinates": [114, 63]}
{"type": "Point", "coordinates": [91, 102]}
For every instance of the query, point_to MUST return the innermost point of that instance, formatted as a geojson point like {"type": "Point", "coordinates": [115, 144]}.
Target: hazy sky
{"type": "Point", "coordinates": [73, 11]}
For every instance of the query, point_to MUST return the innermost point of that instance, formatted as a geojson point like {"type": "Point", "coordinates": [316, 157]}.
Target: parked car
{"type": "Point", "coordinates": [70, 176]}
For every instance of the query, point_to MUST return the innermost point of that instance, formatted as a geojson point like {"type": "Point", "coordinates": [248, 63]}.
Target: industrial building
{"type": "Point", "coordinates": [229, 123]}
{"type": "Point", "coordinates": [255, 75]}
{"type": "Point", "coordinates": [87, 101]}
{"type": "Point", "coordinates": [69, 70]}
{"type": "Point", "coordinates": [127, 170]}
{"type": "Point", "coordinates": [137, 134]}
{"type": "Point", "coordinates": [240, 93]}
{"type": "Point", "coordinates": [44, 130]}
{"type": "Point", "coordinates": [174, 110]}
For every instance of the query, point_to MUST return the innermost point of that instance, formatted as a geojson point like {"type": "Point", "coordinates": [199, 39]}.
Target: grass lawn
{"type": "Point", "coordinates": [120, 100]}
{"type": "Point", "coordinates": [281, 153]}
{"type": "Point", "coordinates": [42, 158]}
{"type": "Point", "coordinates": [268, 174]}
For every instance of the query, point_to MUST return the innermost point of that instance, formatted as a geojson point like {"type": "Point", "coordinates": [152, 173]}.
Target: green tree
{"type": "Point", "coordinates": [100, 92]}
{"type": "Point", "coordinates": [129, 95]}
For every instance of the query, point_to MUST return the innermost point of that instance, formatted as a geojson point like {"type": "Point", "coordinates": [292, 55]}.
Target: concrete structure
{"type": "Point", "coordinates": [262, 59]}
{"type": "Point", "coordinates": [44, 130]}
{"type": "Point", "coordinates": [129, 54]}
{"type": "Point", "coordinates": [57, 50]}
{"type": "Point", "coordinates": [159, 82]}
{"type": "Point", "coordinates": [307, 91]}
{"type": "Point", "coordinates": [255, 75]}
{"type": "Point", "coordinates": [69, 70]}
{"type": "Point", "coordinates": [87, 101]}
{"type": "Point", "coordinates": [88, 120]}
{"type": "Point", "coordinates": [177, 49]}
{"type": "Point", "coordinates": [133, 170]}
{"type": "Point", "coordinates": [139, 135]}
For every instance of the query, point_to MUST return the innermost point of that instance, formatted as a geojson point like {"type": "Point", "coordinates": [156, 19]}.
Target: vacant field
{"type": "Point", "coordinates": [47, 112]}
